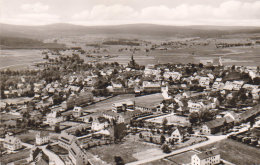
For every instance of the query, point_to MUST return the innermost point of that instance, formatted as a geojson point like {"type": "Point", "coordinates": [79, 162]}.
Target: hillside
{"type": "Point", "coordinates": [152, 30]}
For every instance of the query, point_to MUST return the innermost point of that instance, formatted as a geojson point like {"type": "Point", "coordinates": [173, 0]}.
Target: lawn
{"type": "Point", "coordinates": [125, 149]}
{"type": "Point", "coordinates": [236, 152]}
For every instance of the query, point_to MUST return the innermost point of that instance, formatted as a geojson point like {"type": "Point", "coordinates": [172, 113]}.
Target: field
{"type": "Point", "coordinates": [125, 150]}
{"type": "Point", "coordinates": [236, 152]}
{"type": "Point", "coordinates": [171, 118]}
{"type": "Point", "coordinates": [106, 105]}
{"type": "Point", "coordinates": [19, 58]}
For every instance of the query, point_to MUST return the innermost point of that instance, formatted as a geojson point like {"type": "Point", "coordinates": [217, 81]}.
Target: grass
{"type": "Point", "coordinates": [58, 150]}
{"type": "Point", "coordinates": [125, 150]}
{"type": "Point", "coordinates": [28, 137]}
{"type": "Point", "coordinates": [236, 152]}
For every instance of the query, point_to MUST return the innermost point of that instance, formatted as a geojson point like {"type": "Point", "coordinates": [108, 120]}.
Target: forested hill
{"type": "Point", "coordinates": [25, 43]}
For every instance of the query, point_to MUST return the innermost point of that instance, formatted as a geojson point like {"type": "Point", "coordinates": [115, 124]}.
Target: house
{"type": "Point", "coordinates": [12, 143]}
{"type": "Point", "coordinates": [38, 157]}
{"type": "Point", "coordinates": [53, 118]}
{"type": "Point", "coordinates": [77, 111]}
{"type": "Point", "coordinates": [204, 81]}
{"type": "Point", "coordinates": [165, 93]}
{"type": "Point", "coordinates": [232, 115]}
{"type": "Point", "coordinates": [213, 126]}
{"type": "Point", "coordinates": [99, 124]}
{"type": "Point", "coordinates": [195, 106]}
{"type": "Point", "coordinates": [151, 84]}
{"type": "Point", "coordinates": [228, 86]}
{"type": "Point", "coordinates": [209, 157]}
{"type": "Point", "coordinates": [177, 135]}
{"type": "Point", "coordinates": [42, 138]}
{"type": "Point", "coordinates": [237, 85]}
{"type": "Point", "coordinates": [173, 75]}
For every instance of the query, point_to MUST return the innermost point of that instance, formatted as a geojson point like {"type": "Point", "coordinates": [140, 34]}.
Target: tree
{"type": "Point", "coordinates": [166, 148]}
{"type": "Point", "coordinates": [252, 122]}
{"type": "Point", "coordinates": [165, 121]}
{"type": "Point", "coordinates": [77, 133]}
{"type": "Point", "coordinates": [162, 139]}
{"type": "Point", "coordinates": [57, 129]}
{"type": "Point", "coordinates": [90, 119]}
{"type": "Point", "coordinates": [194, 117]}
{"type": "Point", "coordinates": [140, 135]}
{"type": "Point", "coordinates": [119, 160]}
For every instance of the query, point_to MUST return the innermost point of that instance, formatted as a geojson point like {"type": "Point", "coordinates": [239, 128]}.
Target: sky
{"type": "Point", "coordinates": [114, 12]}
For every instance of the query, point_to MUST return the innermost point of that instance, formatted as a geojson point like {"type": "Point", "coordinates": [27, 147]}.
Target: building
{"type": "Point", "coordinates": [214, 126]}
{"type": "Point", "coordinates": [65, 140]}
{"type": "Point", "coordinates": [195, 107]}
{"type": "Point", "coordinates": [54, 118]}
{"type": "Point", "coordinates": [77, 155]}
{"type": "Point", "coordinates": [204, 81]}
{"type": "Point", "coordinates": [206, 158]}
{"type": "Point", "coordinates": [42, 138]}
{"type": "Point", "coordinates": [12, 143]}
{"type": "Point", "coordinates": [38, 157]}
{"type": "Point", "coordinates": [123, 106]}
{"type": "Point", "coordinates": [177, 135]}
{"type": "Point", "coordinates": [77, 111]}
{"type": "Point", "coordinates": [99, 124]}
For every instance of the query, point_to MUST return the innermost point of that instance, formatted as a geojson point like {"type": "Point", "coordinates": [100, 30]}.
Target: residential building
{"type": "Point", "coordinates": [77, 111]}
{"type": "Point", "coordinates": [177, 135]}
{"type": "Point", "coordinates": [12, 143]}
{"type": "Point", "coordinates": [54, 118]}
{"type": "Point", "coordinates": [42, 138]}
{"type": "Point", "coordinates": [210, 157]}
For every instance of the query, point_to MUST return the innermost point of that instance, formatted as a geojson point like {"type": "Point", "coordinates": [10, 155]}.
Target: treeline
{"type": "Point", "coordinates": [120, 42]}
{"type": "Point", "coordinates": [26, 43]}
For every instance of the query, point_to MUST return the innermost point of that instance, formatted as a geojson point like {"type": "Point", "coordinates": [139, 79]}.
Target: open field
{"type": "Point", "coordinates": [236, 152]}
{"type": "Point", "coordinates": [19, 58]}
{"type": "Point", "coordinates": [125, 150]}
{"type": "Point", "coordinates": [107, 104]}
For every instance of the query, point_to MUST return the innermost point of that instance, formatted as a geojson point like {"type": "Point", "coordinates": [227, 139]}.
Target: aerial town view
{"type": "Point", "coordinates": [112, 82]}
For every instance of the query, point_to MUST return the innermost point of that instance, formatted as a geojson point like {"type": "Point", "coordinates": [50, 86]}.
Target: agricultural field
{"type": "Point", "coordinates": [236, 152]}
{"type": "Point", "coordinates": [19, 58]}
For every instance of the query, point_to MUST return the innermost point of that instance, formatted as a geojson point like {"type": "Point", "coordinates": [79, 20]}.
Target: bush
{"type": "Point", "coordinates": [166, 148]}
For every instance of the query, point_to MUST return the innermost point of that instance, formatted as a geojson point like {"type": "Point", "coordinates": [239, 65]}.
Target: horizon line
{"type": "Point", "coordinates": [122, 24]}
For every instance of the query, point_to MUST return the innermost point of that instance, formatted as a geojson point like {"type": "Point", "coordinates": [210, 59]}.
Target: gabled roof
{"type": "Point", "coordinates": [215, 123]}
{"type": "Point", "coordinates": [207, 154]}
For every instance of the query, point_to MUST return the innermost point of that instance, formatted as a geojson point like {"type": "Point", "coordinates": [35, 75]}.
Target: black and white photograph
{"type": "Point", "coordinates": [129, 82]}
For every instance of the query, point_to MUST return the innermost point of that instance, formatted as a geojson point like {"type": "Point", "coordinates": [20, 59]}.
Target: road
{"type": "Point", "coordinates": [211, 139]}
